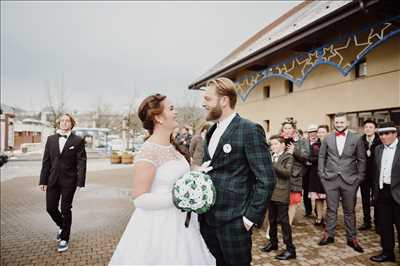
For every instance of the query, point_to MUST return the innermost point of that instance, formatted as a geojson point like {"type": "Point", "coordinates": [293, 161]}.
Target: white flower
{"type": "Point", "coordinates": [194, 192]}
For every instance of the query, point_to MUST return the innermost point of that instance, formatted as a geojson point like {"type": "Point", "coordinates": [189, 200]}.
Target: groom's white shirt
{"type": "Point", "coordinates": [218, 132]}
{"type": "Point", "coordinates": [212, 146]}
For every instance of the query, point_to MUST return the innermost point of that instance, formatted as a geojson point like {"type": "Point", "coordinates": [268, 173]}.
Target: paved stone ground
{"type": "Point", "coordinates": [101, 212]}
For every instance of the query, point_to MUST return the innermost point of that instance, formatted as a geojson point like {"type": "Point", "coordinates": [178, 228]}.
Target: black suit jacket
{"type": "Point", "coordinates": [242, 173]}
{"type": "Point", "coordinates": [395, 181]}
{"type": "Point", "coordinates": [370, 170]}
{"type": "Point", "coordinates": [66, 168]}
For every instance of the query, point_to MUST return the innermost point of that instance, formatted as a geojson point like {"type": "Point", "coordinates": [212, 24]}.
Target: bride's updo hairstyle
{"type": "Point", "coordinates": [148, 109]}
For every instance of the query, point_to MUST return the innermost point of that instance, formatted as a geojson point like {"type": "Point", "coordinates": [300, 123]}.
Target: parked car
{"type": "Point", "coordinates": [116, 145]}
{"type": "Point", "coordinates": [3, 158]}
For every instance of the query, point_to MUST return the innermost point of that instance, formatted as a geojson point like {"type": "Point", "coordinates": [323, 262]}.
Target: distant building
{"type": "Point", "coordinates": [6, 131]}
{"type": "Point", "coordinates": [31, 131]}
{"type": "Point", "coordinates": [319, 58]}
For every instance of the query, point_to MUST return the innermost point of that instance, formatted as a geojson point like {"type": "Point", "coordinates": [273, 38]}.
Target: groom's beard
{"type": "Point", "coordinates": [214, 114]}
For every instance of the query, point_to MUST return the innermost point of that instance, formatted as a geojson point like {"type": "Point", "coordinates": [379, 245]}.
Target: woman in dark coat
{"type": "Point", "coordinates": [315, 190]}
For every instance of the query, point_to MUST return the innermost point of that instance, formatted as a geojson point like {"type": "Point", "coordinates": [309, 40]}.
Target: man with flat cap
{"type": "Point", "coordinates": [387, 189]}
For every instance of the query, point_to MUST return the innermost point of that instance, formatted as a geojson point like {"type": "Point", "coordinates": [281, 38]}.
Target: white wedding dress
{"type": "Point", "coordinates": [159, 236]}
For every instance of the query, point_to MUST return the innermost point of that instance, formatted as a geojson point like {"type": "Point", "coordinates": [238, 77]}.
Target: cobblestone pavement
{"type": "Point", "coordinates": [101, 212]}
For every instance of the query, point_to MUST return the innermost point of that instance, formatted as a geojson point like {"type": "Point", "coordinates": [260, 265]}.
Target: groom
{"type": "Point", "coordinates": [242, 175]}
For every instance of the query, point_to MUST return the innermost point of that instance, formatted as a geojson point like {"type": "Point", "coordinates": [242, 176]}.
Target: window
{"type": "Point", "coordinates": [395, 116]}
{"type": "Point", "coordinates": [361, 68]}
{"type": "Point", "coordinates": [266, 91]}
{"type": "Point", "coordinates": [381, 116]}
{"type": "Point", "coordinates": [364, 116]}
{"type": "Point", "coordinates": [353, 121]}
{"type": "Point", "coordinates": [356, 119]}
{"type": "Point", "coordinates": [289, 86]}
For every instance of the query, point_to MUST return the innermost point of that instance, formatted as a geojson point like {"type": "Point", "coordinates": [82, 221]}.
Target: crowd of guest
{"type": "Point", "coordinates": [331, 167]}
{"type": "Point", "coordinates": [321, 168]}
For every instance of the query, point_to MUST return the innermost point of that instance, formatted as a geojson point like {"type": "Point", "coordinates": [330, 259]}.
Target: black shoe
{"type": "Point", "coordinates": [269, 247]}
{"type": "Point", "coordinates": [308, 215]}
{"type": "Point", "coordinates": [365, 226]}
{"type": "Point", "coordinates": [286, 255]}
{"type": "Point", "coordinates": [326, 240]}
{"type": "Point", "coordinates": [383, 257]}
{"type": "Point", "coordinates": [355, 245]}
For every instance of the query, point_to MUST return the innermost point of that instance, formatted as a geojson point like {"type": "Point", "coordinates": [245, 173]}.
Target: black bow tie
{"type": "Point", "coordinates": [62, 136]}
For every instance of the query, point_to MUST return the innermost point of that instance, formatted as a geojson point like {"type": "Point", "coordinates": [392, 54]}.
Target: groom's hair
{"type": "Point", "coordinates": [225, 87]}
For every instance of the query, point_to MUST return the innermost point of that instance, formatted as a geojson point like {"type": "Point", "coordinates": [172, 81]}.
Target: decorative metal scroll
{"type": "Point", "coordinates": [343, 54]}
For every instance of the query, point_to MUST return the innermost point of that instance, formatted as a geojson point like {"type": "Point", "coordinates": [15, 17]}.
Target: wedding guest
{"type": "Point", "coordinates": [316, 190]}
{"type": "Point", "coordinates": [387, 189]}
{"type": "Point", "coordinates": [371, 141]}
{"type": "Point", "coordinates": [282, 162]}
{"type": "Point", "coordinates": [311, 133]}
{"type": "Point", "coordinates": [341, 167]}
{"type": "Point", "coordinates": [63, 171]}
{"type": "Point", "coordinates": [299, 170]}
{"type": "Point", "coordinates": [196, 148]}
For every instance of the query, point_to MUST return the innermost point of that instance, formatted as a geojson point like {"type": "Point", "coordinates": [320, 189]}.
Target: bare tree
{"type": "Point", "coordinates": [56, 102]}
{"type": "Point", "coordinates": [190, 112]}
{"type": "Point", "coordinates": [102, 116]}
{"type": "Point", "coordinates": [133, 122]}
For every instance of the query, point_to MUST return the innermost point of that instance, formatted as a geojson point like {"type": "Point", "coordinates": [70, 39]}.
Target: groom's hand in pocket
{"type": "Point", "coordinates": [247, 223]}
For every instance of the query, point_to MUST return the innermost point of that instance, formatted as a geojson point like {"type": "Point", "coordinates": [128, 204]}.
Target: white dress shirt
{"type": "Point", "coordinates": [387, 163]}
{"type": "Point", "coordinates": [340, 140]}
{"type": "Point", "coordinates": [218, 132]}
{"type": "Point", "coordinates": [62, 140]}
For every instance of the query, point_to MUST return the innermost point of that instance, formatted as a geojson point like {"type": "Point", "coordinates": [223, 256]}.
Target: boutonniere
{"type": "Point", "coordinates": [227, 148]}
{"type": "Point", "coordinates": [71, 148]}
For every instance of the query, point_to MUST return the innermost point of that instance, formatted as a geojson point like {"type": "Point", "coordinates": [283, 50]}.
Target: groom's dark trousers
{"type": "Point", "coordinates": [62, 172]}
{"type": "Point", "coordinates": [244, 180]}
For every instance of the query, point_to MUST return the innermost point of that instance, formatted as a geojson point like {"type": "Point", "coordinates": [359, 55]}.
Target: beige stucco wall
{"type": "Point", "coordinates": [326, 91]}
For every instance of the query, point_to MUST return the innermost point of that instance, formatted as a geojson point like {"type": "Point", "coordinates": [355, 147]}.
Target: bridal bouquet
{"type": "Point", "coordinates": [194, 192]}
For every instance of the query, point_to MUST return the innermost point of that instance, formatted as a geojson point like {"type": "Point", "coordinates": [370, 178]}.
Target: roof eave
{"type": "Point", "coordinates": [317, 25]}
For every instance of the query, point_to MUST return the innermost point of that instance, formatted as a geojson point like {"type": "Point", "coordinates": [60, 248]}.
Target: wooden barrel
{"type": "Point", "coordinates": [115, 158]}
{"type": "Point", "coordinates": [127, 158]}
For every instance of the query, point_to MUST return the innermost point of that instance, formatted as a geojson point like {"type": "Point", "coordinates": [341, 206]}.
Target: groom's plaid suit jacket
{"type": "Point", "coordinates": [242, 173]}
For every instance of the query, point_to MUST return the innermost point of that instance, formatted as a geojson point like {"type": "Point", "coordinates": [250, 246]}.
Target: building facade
{"type": "Point", "coordinates": [318, 59]}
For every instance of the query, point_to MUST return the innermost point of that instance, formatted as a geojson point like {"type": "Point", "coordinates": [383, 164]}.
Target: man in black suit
{"type": "Point", "coordinates": [387, 189]}
{"type": "Point", "coordinates": [371, 141]}
{"type": "Point", "coordinates": [63, 170]}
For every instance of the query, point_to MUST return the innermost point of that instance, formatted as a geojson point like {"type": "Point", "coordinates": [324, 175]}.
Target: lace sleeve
{"type": "Point", "coordinates": [146, 155]}
{"type": "Point", "coordinates": [157, 154]}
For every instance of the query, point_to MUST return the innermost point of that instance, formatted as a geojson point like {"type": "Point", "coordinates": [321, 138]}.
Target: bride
{"type": "Point", "coordinates": [155, 234]}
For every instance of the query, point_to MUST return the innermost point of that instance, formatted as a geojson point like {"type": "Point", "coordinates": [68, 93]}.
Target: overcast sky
{"type": "Point", "coordinates": [104, 51]}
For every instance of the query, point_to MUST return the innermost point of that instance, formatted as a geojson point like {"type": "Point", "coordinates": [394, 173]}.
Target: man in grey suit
{"type": "Point", "coordinates": [341, 167]}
